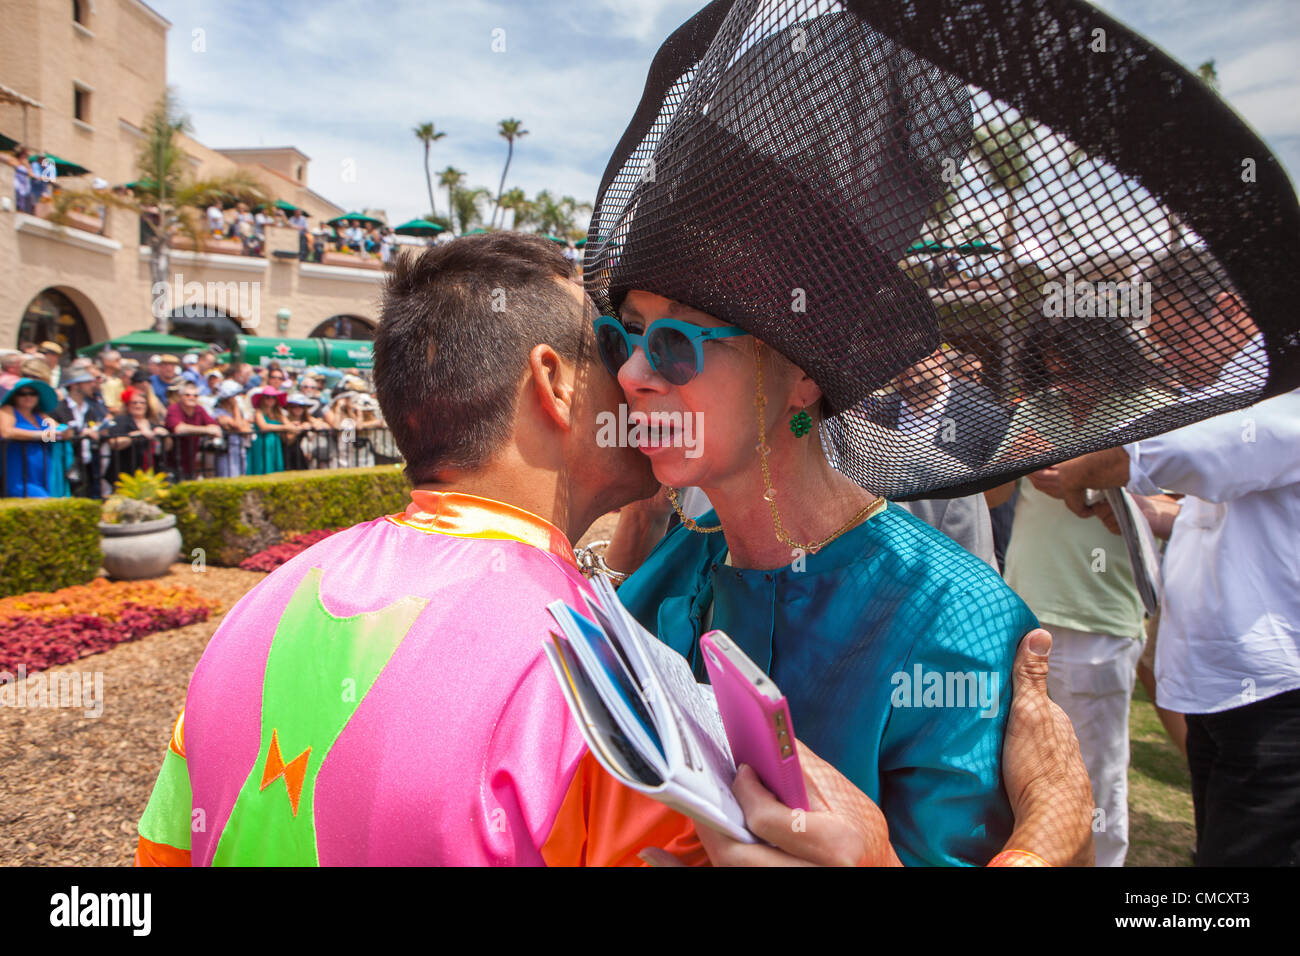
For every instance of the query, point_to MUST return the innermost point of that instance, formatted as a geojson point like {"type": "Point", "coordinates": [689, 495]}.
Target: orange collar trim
{"type": "Point", "coordinates": [469, 516]}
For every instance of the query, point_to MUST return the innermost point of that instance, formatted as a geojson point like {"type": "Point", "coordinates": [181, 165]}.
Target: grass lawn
{"type": "Point", "coordinates": [1161, 829]}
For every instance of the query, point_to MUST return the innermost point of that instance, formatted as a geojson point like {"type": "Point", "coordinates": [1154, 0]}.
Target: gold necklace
{"type": "Point", "coordinates": [689, 522]}
{"type": "Point", "coordinates": [769, 493]}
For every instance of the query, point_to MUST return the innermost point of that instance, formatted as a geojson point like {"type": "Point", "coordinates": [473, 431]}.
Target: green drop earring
{"type": "Point", "coordinates": [800, 423]}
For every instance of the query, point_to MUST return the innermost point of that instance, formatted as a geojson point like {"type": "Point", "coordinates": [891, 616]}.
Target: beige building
{"type": "Point", "coordinates": [77, 81]}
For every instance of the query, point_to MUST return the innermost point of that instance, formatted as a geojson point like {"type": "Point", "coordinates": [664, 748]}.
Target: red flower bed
{"type": "Point", "coordinates": [278, 554]}
{"type": "Point", "coordinates": [39, 630]}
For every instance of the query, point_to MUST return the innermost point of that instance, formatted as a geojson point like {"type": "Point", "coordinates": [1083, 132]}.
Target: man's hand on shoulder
{"type": "Point", "coordinates": [1042, 767]}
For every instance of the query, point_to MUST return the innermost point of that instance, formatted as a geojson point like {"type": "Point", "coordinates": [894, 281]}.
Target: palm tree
{"type": "Point", "coordinates": [557, 216]}
{"type": "Point", "coordinates": [514, 201]}
{"type": "Point", "coordinates": [465, 205]}
{"type": "Point", "coordinates": [1001, 150]}
{"type": "Point", "coordinates": [427, 135]}
{"type": "Point", "coordinates": [510, 130]}
{"type": "Point", "coordinates": [1209, 75]}
{"type": "Point", "coordinates": [451, 178]}
{"type": "Point", "coordinates": [166, 198]}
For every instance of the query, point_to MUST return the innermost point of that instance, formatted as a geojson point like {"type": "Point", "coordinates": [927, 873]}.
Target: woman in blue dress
{"type": "Point", "coordinates": [893, 644]}
{"type": "Point", "coordinates": [24, 427]}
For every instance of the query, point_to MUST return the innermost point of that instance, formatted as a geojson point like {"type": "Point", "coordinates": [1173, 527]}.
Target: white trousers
{"type": "Point", "coordinates": [1091, 677]}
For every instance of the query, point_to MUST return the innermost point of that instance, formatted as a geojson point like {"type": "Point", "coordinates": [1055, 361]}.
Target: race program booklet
{"type": "Point", "coordinates": [642, 713]}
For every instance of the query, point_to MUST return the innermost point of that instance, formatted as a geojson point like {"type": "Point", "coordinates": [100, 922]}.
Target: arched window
{"type": "Point", "coordinates": [352, 327]}
{"type": "Point", "coordinates": [207, 324]}
{"type": "Point", "coordinates": [52, 317]}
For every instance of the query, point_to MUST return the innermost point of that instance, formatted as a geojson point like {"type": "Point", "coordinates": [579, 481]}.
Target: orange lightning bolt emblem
{"type": "Point", "coordinates": [293, 771]}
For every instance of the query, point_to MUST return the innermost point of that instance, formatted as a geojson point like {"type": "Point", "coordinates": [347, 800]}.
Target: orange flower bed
{"type": "Point", "coordinates": [103, 598]}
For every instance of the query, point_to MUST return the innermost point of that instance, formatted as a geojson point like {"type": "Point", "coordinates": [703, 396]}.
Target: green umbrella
{"type": "Point", "coordinates": [142, 184]}
{"type": "Point", "coordinates": [547, 235]}
{"type": "Point", "coordinates": [419, 227]}
{"type": "Point", "coordinates": [355, 217]}
{"type": "Point", "coordinates": [281, 204]}
{"type": "Point", "coordinates": [580, 243]}
{"type": "Point", "coordinates": [66, 167]}
{"type": "Point", "coordinates": [922, 245]}
{"type": "Point", "coordinates": [474, 232]}
{"type": "Point", "coordinates": [978, 246]}
{"type": "Point", "coordinates": [145, 341]}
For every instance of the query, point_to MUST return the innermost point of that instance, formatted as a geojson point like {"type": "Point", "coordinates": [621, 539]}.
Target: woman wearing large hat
{"type": "Point", "coordinates": [745, 250]}
{"type": "Point", "coordinates": [25, 427]}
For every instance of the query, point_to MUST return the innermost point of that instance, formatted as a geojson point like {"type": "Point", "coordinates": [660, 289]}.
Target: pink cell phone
{"type": "Point", "coordinates": [756, 717]}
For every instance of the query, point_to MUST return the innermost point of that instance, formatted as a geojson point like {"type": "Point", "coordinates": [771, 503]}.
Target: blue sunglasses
{"type": "Point", "coordinates": [671, 345]}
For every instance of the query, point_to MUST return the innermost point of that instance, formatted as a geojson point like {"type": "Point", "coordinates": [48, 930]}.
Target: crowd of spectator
{"type": "Point", "coordinates": [190, 416]}
{"type": "Point", "coordinates": [35, 178]}
{"type": "Point", "coordinates": [363, 238]}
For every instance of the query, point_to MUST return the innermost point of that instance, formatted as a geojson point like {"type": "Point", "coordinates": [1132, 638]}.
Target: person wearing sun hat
{"type": "Point", "coordinates": [85, 414]}
{"type": "Point", "coordinates": [52, 353]}
{"type": "Point", "coordinates": [26, 423]}
{"type": "Point", "coordinates": [789, 533]}
{"type": "Point", "coordinates": [167, 376]}
{"type": "Point", "coordinates": [266, 452]}
{"type": "Point", "coordinates": [744, 250]}
{"type": "Point", "coordinates": [237, 428]}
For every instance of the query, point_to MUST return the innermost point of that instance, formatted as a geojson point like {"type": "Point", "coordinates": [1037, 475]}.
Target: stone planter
{"type": "Point", "coordinates": [145, 549]}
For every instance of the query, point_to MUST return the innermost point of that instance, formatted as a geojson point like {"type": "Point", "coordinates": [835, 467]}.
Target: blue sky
{"type": "Point", "coordinates": [346, 81]}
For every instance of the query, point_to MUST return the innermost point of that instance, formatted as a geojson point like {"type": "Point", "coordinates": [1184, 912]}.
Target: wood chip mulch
{"type": "Point", "coordinates": [74, 787]}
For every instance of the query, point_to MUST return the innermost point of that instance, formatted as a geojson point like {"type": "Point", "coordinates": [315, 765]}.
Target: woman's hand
{"type": "Point", "coordinates": [657, 506]}
{"type": "Point", "coordinates": [641, 525]}
{"type": "Point", "coordinates": [841, 827]}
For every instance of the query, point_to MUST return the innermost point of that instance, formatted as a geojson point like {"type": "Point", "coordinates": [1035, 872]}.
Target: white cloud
{"type": "Point", "coordinates": [341, 80]}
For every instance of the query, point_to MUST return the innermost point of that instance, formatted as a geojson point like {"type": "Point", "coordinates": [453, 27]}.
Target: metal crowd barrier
{"type": "Point", "coordinates": [63, 470]}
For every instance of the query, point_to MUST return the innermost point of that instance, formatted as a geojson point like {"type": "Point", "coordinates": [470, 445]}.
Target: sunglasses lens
{"type": "Point", "coordinates": [673, 355]}
{"type": "Point", "coordinates": [612, 346]}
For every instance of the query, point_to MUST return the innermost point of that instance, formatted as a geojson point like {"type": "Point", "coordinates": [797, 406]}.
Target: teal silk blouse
{"type": "Point", "coordinates": [894, 647]}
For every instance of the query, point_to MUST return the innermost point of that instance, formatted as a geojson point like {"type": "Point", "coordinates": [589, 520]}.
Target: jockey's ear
{"type": "Point", "coordinates": [552, 384]}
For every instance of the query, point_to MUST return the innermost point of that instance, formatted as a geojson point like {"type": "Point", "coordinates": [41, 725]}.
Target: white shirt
{"type": "Point", "coordinates": [79, 412]}
{"type": "Point", "coordinates": [1230, 619]}
{"type": "Point", "coordinates": [215, 218]}
{"type": "Point", "coordinates": [925, 424]}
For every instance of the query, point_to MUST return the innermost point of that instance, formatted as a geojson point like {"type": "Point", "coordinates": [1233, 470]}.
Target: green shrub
{"type": "Point", "coordinates": [232, 518]}
{"type": "Point", "coordinates": [47, 543]}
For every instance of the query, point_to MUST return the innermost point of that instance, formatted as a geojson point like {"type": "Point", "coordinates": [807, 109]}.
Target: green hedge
{"type": "Point", "coordinates": [232, 518]}
{"type": "Point", "coordinates": [47, 543]}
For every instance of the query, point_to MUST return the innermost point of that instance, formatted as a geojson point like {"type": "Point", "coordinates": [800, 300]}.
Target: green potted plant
{"type": "Point", "coordinates": [139, 539]}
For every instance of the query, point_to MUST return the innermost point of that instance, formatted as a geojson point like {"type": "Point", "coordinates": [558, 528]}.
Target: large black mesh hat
{"type": "Point", "coordinates": [996, 233]}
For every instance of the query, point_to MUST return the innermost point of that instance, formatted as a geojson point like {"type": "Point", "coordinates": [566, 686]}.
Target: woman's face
{"type": "Point", "coordinates": [27, 400]}
{"type": "Point", "coordinates": [709, 426]}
